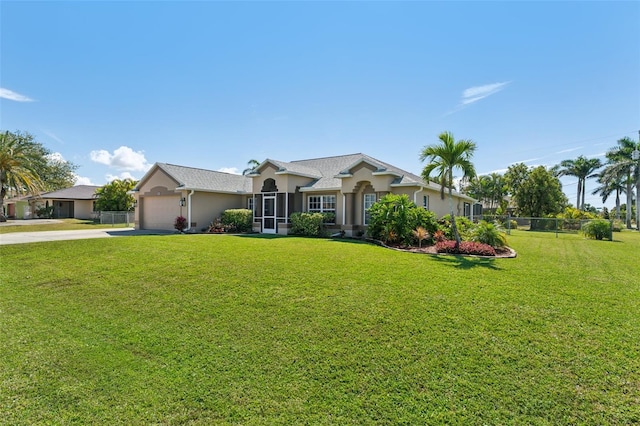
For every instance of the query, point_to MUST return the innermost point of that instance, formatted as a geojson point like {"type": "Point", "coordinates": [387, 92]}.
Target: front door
{"type": "Point", "coordinates": [269, 214]}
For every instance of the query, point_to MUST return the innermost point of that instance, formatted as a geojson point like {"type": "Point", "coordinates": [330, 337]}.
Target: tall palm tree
{"type": "Point", "coordinates": [583, 168]}
{"type": "Point", "coordinates": [19, 162]}
{"type": "Point", "coordinates": [252, 165]}
{"type": "Point", "coordinates": [610, 182]}
{"type": "Point", "coordinates": [622, 163]}
{"type": "Point", "coordinates": [443, 158]}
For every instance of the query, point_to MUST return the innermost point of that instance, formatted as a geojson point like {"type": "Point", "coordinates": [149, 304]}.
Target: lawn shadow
{"type": "Point", "coordinates": [466, 262]}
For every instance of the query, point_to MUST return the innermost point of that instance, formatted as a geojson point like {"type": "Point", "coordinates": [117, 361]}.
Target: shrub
{"type": "Point", "coordinates": [421, 234]}
{"type": "Point", "coordinates": [180, 224]}
{"type": "Point", "coordinates": [598, 229]}
{"type": "Point", "coordinates": [463, 224]}
{"type": "Point", "coordinates": [618, 225]}
{"type": "Point", "coordinates": [466, 247]}
{"type": "Point", "coordinates": [46, 212]}
{"type": "Point", "coordinates": [307, 224]}
{"type": "Point", "coordinates": [488, 233]}
{"type": "Point", "coordinates": [237, 220]}
{"type": "Point", "coordinates": [394, 218]}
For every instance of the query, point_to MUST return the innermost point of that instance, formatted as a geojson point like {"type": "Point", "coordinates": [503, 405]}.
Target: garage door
{"type": "Point", "coordinates": [160, 212]}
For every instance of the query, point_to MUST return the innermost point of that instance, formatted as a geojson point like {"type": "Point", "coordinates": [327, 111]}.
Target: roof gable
{"type": "Point", "coordinates": [190, 178]}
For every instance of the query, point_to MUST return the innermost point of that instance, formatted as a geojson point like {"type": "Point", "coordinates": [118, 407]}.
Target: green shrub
{"type": "Point", "coordinates": [307, 224]}
{"type": "Point", "coordinates": [394, 218]}
{"type": "Point", "coordinates": [488, 233]}
{"type": "Point", "coordinates": [45, 212]}
{"type": "Point", "coordinates": [237, 220]}
{"type": "Point", "coordinates": [618, 225]}
{"type": "Point", "coordinates": [598, 229]}
{"type": "Point", "coordinates": [463, 224]}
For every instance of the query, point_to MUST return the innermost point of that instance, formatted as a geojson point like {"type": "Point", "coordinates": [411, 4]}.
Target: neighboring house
{"type": "Point", "coordinates": [17, 207]}
{"type": "Point", "coordinates": [77, 202]}
{"type": "Point", "coordinates": [344, 185]}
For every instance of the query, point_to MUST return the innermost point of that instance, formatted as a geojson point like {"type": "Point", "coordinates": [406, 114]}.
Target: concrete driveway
{"type": "Point", "coordinates": [34, 237]}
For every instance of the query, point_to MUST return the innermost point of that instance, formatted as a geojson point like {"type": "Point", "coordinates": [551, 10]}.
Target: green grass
{"type": "Point", "coordinates": [217, 329]}
{"type": "Point", "coordinates": [63, 225]}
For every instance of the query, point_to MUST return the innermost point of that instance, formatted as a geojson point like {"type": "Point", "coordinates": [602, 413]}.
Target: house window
{"type": "Point", "coordinates": [425, 202]}
{"type": "Point", "coordinates": [250, 203]}
{"type": "Point", "coordinates": [322, 204]}
{"type": "Point", "coordinates": [369, 200]}
{"type": "Point", "coordinates": [467, 210]}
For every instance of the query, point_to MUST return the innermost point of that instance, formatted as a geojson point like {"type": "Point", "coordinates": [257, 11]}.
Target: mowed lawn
{"type": "Point", "coordinates": [219, 329]}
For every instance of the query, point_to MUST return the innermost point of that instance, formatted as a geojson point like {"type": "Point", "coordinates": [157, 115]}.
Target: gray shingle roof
{"type": "Point", "coordinates": [207, 180]}
{"type": "Point", "coordinates": [332, 167]}
{"type": "Point", "coordinates": [78, 192]}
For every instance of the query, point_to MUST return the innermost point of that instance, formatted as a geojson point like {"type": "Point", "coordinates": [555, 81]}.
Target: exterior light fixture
{"type": "Point", "coordinates": [183, 202]}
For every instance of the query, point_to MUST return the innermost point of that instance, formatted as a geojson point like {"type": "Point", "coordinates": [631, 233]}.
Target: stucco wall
{"type": "Point", "coordinates": [205, 207]}
{"type": "Point", "coordinates": [83, 209]}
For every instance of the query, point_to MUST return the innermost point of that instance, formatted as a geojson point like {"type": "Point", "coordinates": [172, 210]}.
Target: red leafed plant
{"type": "Point", "coordinates": [180, 223]}
{"type": "Point", "coordinates": [466, 247]}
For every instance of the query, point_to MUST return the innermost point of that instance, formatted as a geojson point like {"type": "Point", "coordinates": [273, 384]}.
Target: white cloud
{"type": "Point", "coordinates": [13, 96]}
{"type": "Point", "coordinates": [232, 170]}
{"type": "Point", "coordinates": [121, 176]}
{"type": "Point", "coordinates": [123, 158]}
{"type": "Point", "coordinates": [56, 157]}
{"type": "Point", "coordinates": [80, 180]}
{"type": "Point", "coordinates": [474, 94]}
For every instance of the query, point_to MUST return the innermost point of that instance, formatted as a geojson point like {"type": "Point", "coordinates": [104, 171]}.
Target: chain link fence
{"type": "Point", "coordinates": [113, 218]}
{"type": "Point", "coordinates": [544, 224]}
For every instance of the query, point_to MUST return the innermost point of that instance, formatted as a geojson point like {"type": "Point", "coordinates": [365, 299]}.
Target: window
{"type": "Point", "coordinates": [322, 204]}
{"type": "Point", "coordinates": [369, 200]}
{"type": "Point", "coordinates": [467, 210]}
{"type": "Point", "coordinates": [425, 202]}
{"type": "Point", "coordinates": [250, 203]}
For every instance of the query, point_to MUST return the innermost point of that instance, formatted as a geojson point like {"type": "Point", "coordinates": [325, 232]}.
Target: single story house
{"type": "Point", "coordinates": [345, 185]}
{"type": "Point", "coordinates": [17, 207]}
{"type": "Point", "coordinates": [77, 202]}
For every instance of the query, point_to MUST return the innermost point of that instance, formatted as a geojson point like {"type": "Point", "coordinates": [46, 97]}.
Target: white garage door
{"type": "Point", "coordinates": [160, 212]}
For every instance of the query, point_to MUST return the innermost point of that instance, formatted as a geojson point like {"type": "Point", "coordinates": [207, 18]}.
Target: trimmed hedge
{"type": "Point", "coordinates": [237, 220]}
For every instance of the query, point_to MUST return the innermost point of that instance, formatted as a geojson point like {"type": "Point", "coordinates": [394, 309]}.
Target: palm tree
{"type": "Point", "coordinates": [252, 165]}
{"type": "Point", "coordinates": [610, 182]}
{"type": "Point", "coordinates": [19, 162]}
{"type": "Point", "coordinates": [623, 165]}
{"type": "Point", "coordinates": [582, 168]}
{"type": "Point", "coordinates": [443, 158]}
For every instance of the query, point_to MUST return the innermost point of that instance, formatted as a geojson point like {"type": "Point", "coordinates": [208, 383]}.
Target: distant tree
{"type": "Point", "coordinates": [514, 177]}
{"type": "Point", "coordinates": [540, 194]}
{"type": "Point", "coordinates": [621, 164]}
{"type": "Point", "coordinates": [582, 168]}
{"type": "Point", "coordinates": [252, 166]}
{"type": "Point", "coordinates": [21, 157]}
{"type": "Point", "coordinates": [57, 173]}
{"type": "Point", "coordinates": [490, 189]}
{"type": "Point", "coordinates": [610, 181]}
{"type": "Point", "coordinates": [114, 196]}
{"type": "Point", "coordinates": [445, 157]}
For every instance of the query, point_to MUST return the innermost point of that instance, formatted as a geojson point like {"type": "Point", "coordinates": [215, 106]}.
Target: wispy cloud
{"type": "Point", "coordinates": [13, 96]}
{"type": "Point", "coordinates": [474, 94]}
{"type": "Point", "coordinates": [569, 150]}
{"type": "Point", "coordinates": [81, 180]}
{"type": "Point", "coordinates": [526, 161]}
{"type": "Point", "coordinates": [53, 136]}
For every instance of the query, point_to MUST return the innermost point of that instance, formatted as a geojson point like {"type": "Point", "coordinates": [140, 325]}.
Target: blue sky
{"type": "Point", "coordinates": [116, 86]}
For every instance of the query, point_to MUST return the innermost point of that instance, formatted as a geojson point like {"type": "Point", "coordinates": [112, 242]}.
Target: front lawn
{"type": "Point", "coordinates": [221, 329]}
{"type": "Point", "coordinates": [60, 225]}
